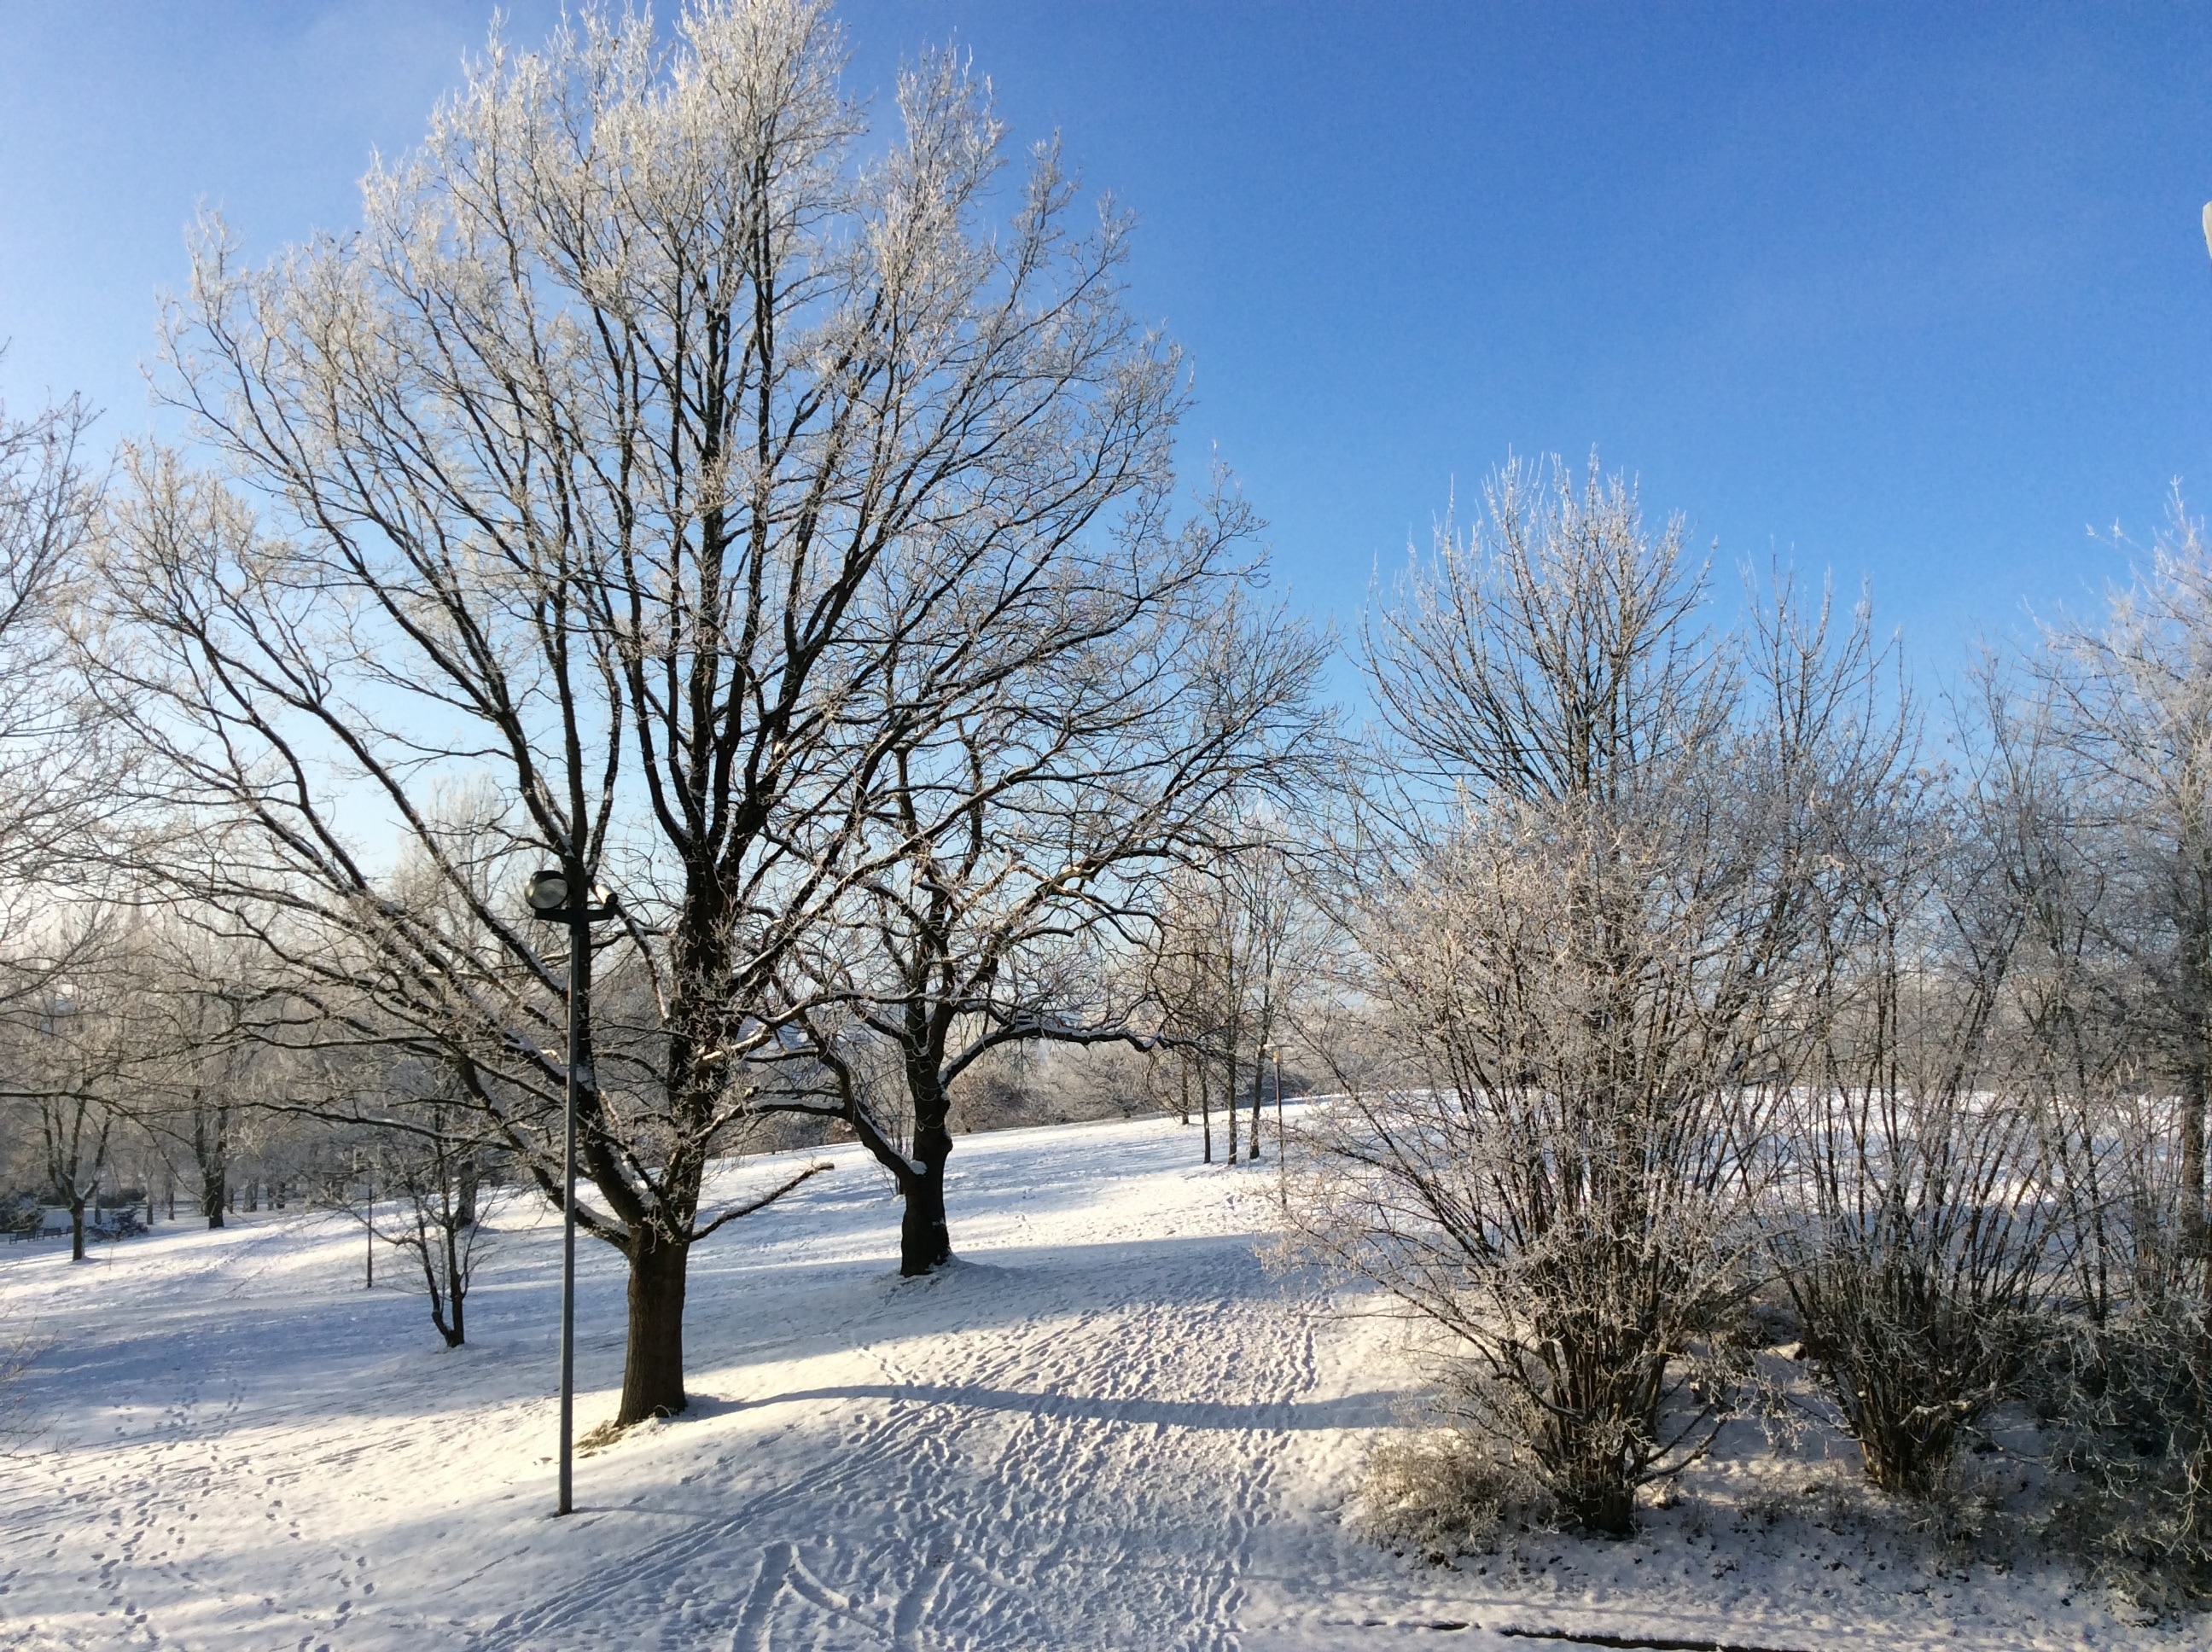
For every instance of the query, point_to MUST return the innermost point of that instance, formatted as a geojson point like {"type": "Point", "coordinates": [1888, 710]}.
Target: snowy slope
{"type": "Point", "coordinates": [1107, 1426]}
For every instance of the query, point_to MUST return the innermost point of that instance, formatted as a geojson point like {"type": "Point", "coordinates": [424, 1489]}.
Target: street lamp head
{"type": "Point", "coordinates": [547, 891]}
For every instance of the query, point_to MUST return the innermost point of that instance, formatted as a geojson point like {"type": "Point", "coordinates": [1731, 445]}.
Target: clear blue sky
{"type": "Point", "coordinates": [1916, 294]}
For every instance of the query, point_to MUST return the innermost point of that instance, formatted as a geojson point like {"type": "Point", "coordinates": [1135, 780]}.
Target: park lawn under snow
{"type": "Point", "coordinates": [1106, 1426]}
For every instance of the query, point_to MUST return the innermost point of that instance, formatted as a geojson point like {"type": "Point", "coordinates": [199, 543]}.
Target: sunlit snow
{"type": "Point", "coordinates": [1107, 1426]}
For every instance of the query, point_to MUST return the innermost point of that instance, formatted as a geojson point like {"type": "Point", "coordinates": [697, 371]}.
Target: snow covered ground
{"type": "Point", "coordinates": [1107, 1426]}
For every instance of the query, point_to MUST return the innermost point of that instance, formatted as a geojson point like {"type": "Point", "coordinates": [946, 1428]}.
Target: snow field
{"type": "Point", "coordinates": [1106, 1426]}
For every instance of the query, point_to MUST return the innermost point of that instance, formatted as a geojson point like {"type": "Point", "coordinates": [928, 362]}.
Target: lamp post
{"type": "Point", "coordinates": [550, 902]}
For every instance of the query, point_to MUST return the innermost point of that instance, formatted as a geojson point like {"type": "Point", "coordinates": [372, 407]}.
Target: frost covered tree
{"type": "Point", "coordinates": [60, 764]}
{"type": "Point", "coordinates": [2104, 738]}
{"type": "Point", "coordinates": [1583, 889]}
{"type": "Point", "coordinates": [2129, 703]}
{"type": "Point", "coordinates": [615, 470]}
{"type": "Point", "coordinates": [73, 1048]}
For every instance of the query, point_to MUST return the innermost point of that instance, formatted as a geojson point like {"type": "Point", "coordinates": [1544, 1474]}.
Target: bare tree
{"type": "Point", "coordinates": [1183, 972]}
{"type": "Point", "coordinates": [209, 1058]}
{"type": "Point", "coordinates": [613, 464]}
{"type": "Point", "coordinates": [59, 766]}
{"type": "Point", "coordinates": [1580, 887]}
{"type": "Point", "coordinates": [1026, 837]}
{"type": "Point", "coordinates": [1236, 945]}
{"type": "Point", "coordinates": [426, 1167]}
{"type": "Point", "coordinates": [73, 1047]}
{"type": "Point", "coordinates": [2130, 703]}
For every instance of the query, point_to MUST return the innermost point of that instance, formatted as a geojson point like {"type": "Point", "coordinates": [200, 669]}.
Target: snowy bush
{"type": "Point", "coordinates": [1586, 900]}
{"type": "Point", "coordinates": [1444, 1491]}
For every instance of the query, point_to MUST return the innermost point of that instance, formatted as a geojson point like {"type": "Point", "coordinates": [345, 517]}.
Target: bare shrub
{"type": "Point", "coordinates": [1442, 1491]}
{"type": "Point", "coordinates": [1583, 889]}
{"type": "Point", "coordinates": [429, 1167]}
{"type": "Point", "coordinates": [2124, 1383]}
{"type": "Point", "coordinates": [1908, 1213]}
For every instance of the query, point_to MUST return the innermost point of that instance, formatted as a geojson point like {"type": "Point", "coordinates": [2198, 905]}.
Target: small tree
{"type": "Point", "coordinates": [72, 1049]}
{"type": "Point", "coordinates": [1027, 837]}
{"type": "Point", "coordinates": [428, 1164]}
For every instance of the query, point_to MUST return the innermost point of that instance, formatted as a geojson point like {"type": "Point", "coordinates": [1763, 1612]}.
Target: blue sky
{"type": "Point", "coordinates": [1915, 294]}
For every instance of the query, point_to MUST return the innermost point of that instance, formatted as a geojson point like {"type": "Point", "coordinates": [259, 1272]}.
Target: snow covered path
{"type": "Point", "coordinates": [1106, 1427]}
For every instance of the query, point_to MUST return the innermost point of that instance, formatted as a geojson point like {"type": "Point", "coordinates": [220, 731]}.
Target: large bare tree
{"type": "Point", "coordinates": [600, 486]}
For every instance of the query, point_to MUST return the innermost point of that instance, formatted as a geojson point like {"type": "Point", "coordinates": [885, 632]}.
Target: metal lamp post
{"type": "Point", "coordinates": [552, 902]}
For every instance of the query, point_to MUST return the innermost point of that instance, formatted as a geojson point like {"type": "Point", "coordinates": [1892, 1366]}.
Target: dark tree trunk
{"type": "Point", "coordinates": [652, 1372]}
{"type": "Point", "coordinates": [447, 1296]}
{"type": "Point", "coordinates": [76, 1229]}
{"type": "Point", "coordinates": [209, 1152]}
{"type": "Point", "coordinates": [2194, 1084]}
{"type": "Point", "coordinates": [1257, 1066]}
{"type": "Point", "coordinates": [1228, 1093]}
{"type": "Point", "coordinates": [925, 1241]}
{"type": "Point", "coordinates": [1206, 1116]}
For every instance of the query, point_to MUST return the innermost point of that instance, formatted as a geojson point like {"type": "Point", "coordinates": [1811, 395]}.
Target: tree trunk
{"type": "Point", "coordinates": [76, 1229]}
{"type": "Point", "coordinates": [2194, 1084]}
{"type": "Point", "coordinates": [1259, 1066]}
{"type": "Point", "coordinates": [925, 1241]}
{"type": "Point", "coordinates": [652, 1370]}
{"type": "Point", "coordinates": [457, 1291]}
{"type": "Point", "coordinates": [209, 1151]}
{"type": "Point", "coordinates": [1206, 1112]}
{"type": "Point", "coordinates": [1228, 1093]}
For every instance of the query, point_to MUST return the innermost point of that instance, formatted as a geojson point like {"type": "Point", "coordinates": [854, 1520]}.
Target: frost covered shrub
{"type": "Point", "coordinates": [2130, 1404]}
{"type": "Point", "coordinates": [2124, 1383]}
{"type": "Point", "coordinates": [1445, 1492]}
{"type": "Point", "coordinates": [1906, 1203]}
{"type": "Point", "coordinates": [1587, 915]}
{"type": "Point", "coordinates": [1917, 1268]}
